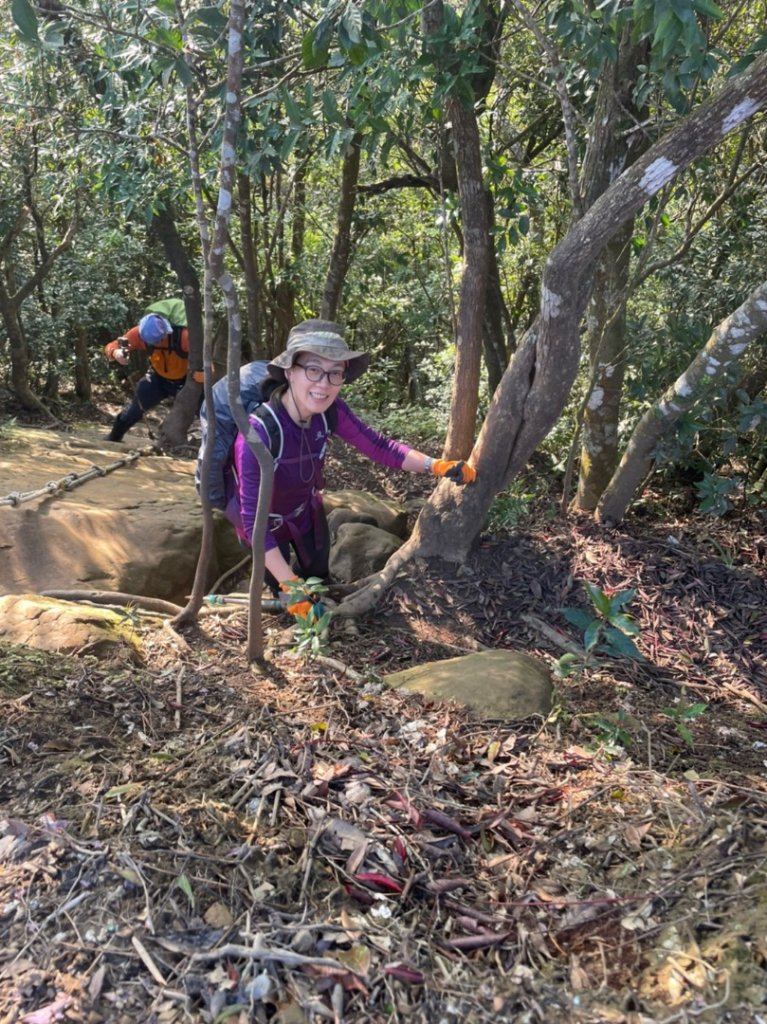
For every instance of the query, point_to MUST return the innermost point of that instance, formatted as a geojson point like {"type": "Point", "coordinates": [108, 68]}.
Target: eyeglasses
{"type": "Point", "coordinates": [316, 373]}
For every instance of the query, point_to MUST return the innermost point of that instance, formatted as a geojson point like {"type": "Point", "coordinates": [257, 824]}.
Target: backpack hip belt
{"type": "Point", "coordinates": [276, 520]}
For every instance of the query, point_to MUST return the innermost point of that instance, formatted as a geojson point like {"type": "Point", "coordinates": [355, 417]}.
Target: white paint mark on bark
{"type": "Point", "coordinates": [552, 304]}
{"type": "Point", "coordinates": [596, 398]}
{"type": "Point", "coordinates": [231, 98]}
{"type": "Point", "coordinates": [607, 370]}
{"type": "Point", "coordinates": [224, 201]}
{"type": "Point", "coordinates": [739, 113]}
{"type": "Point", "coordinates": [682, 388]}
{"type": "Point", "coordinates": [235, 42]}
{"type": "Point", "coordinates": [657, 174]}
{"type": "Point", "coordinates": [227, 153]}
{"type": "Point", "coordinates": [737, 348]}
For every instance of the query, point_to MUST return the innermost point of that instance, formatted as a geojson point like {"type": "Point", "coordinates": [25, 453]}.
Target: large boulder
{"type": "Point", "coordinates": [135, 528]}
{"type": "Point", "coordinates": [359, 550]}
{"type": "Point", "coordinates": [508, 685]}
{"type": "Point", "coordinates": [387, 515]}
{"type": "Point", "coordinates": [134, 524]}
{"type": "Point", "coordinates": [51, 625]}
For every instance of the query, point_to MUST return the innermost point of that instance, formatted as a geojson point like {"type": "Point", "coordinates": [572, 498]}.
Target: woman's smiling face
{"type": "Point", "coordinates": [314, 396]}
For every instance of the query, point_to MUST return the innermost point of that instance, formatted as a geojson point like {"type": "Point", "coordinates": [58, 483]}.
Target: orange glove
{"type": "Point", "coordinates": [459, 472]}
{"type": "Point", "coordinates": [296, 600]}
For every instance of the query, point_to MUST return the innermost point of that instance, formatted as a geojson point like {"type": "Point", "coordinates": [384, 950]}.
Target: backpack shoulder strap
{"type": "Point", "coordinates": [331, 418]}
{"type": "Point", "coordinates": [175, 341]}
{"type": "Point", "coordinates": [268, 417]}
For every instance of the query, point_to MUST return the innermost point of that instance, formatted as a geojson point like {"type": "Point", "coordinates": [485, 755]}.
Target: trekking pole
{"type": "Point", "coordinates": [268, 604]}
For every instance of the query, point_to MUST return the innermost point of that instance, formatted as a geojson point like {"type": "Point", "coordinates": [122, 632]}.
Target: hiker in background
{"type": "Point", "coordinates": [302, 397]}
{"type": "Point", "coordinates": [163, 335]}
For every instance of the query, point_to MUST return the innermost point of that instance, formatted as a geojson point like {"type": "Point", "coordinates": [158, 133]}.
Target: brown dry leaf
{"type": "Point", "coordinates": [218, 916]}
{"type": "Point", "coordinates": [357, 959]}
{"type": "Point", "coordinates": [634, 834]}
{"type": "Point", "coordinates": [345, 836]}
{"type": "Point", "coordinates": [579, 979]}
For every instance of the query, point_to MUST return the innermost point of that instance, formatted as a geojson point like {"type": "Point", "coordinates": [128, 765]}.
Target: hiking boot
{"type": "Point", "coordinates": [118, 430]}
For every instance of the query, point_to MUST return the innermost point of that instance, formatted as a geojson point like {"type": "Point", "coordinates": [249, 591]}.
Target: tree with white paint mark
{"type": "Point", "coordinates": [727, 343]}
{"type": "Point", "coordinates": [538, 381]}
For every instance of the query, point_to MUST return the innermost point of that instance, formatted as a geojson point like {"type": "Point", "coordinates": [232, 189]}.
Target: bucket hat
{"type": "Point", "coordinates": [325, 339]}
{"type": "Point", "coordinates": [152, 328]}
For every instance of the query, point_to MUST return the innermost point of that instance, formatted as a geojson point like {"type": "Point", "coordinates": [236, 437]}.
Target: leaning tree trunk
{"type": "Point", "coordinates": [537, 383]}
{"type": "Point", "coordinates": [342, 244]}
{"type": "Point", "coordinates": [175, 425]}
{"type": "Point", "coordinates": [727, 343]}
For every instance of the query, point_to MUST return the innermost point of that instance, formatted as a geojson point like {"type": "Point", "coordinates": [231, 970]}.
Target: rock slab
{"type": "Point", "coordinates": [509, 685]}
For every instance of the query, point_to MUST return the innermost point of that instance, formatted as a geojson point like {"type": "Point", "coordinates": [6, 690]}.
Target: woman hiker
{"type": "Point", "coordinates": [304, 385]}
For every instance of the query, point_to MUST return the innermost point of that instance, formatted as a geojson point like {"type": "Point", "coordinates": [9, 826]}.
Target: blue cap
{"type": "Point", "coordinates": [152, 328]}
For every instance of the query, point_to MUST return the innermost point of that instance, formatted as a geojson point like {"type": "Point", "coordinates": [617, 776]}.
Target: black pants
{"type": "Point", "coordinates": [150, 391]}
{"type": "Point", "coordinates": [312, 556]}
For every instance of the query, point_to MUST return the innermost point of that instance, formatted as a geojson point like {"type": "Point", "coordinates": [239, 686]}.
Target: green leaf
{"type": "Point", "coordinates": [622, 598]}
{"type": "Point", "coordinates": [624, 623]}
{"type": "Point", "coordinates": [685, 733]}
{"type": "Point", "coordinates": [212, 17]}
{"type": "Point", "coordinates": [708, 9]}
{"type": "Point", "coordinates": [352, 23]}
{"type": "Point", "coordinates": [182, 70]}
{"type": "Point", "coordinates": [592, 634]}
{"type": "Point", "coordinates": [618, 645]}
{"type": "Point", "coordinates": [580, 619]}
{"type": "Point", "coordinates": [25, 18]}
{"type": "Point", "coordinates": [292, 109]}
{"type": "Point", "coordinates": [182, 883]}
{"type": "Point", "coordinates": [693, 711]}
{"type": "Point", "coordinates": [599, 599]}
{"type": "Point", "coordinates": [230, 1011]}
{"type": "Point", "coordinates": [330, 107]}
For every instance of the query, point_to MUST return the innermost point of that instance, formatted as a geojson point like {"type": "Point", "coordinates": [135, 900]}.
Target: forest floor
{"type": "Point", "coordinates": [195, 838]}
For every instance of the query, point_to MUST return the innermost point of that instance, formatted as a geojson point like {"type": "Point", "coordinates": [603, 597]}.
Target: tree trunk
{"type": "Point", "coordinates": [475, 223]}
{"type": "Point", "coordinates": [252, 283]}
{"type": "Point", "coordinates": [607, 361]}
{"type": "Point", "coordinates": [613, 146]}
{"type": "Point", "coordinates": [726, 344]}
{"type": "Point", "coordinates": [537, 382]}
{"type": "Point", "coordinates": [17, 345]}
{"type": "Point", "coordinates": [10, 307]}
{"type": "Point", "coordinates": [174, 427]}
{"type": "Point", "coordinates": [496, 356]}
{"type": "Point", "coordinates": [342, 244]}
{"type": "Point", "coordinates": [82, 366]}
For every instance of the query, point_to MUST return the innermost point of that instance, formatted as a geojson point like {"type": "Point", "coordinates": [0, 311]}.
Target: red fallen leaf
{"type": "Point", "coordinates": [400, 851]}
{"type": "Point", "coordinates": [376, 878]}
{"type": "Point", "coordinates": [360, 895]}
{"type": "Point", "coordinates": [402, 803]}
{"type": "Point", "coordinates": [469, 943]}
{"type": "Point", "coordinates": [440, 885]}
{"type": "Point", "coordinates": [349, 981]}
{"type": "Point", "coordinates": [409, 975]}
{"type": "Point", "coordinates": [447, 823]}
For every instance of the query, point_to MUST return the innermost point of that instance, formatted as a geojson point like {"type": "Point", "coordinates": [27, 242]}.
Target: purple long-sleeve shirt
{"type": "Point", "coordinates": [298, 475]}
